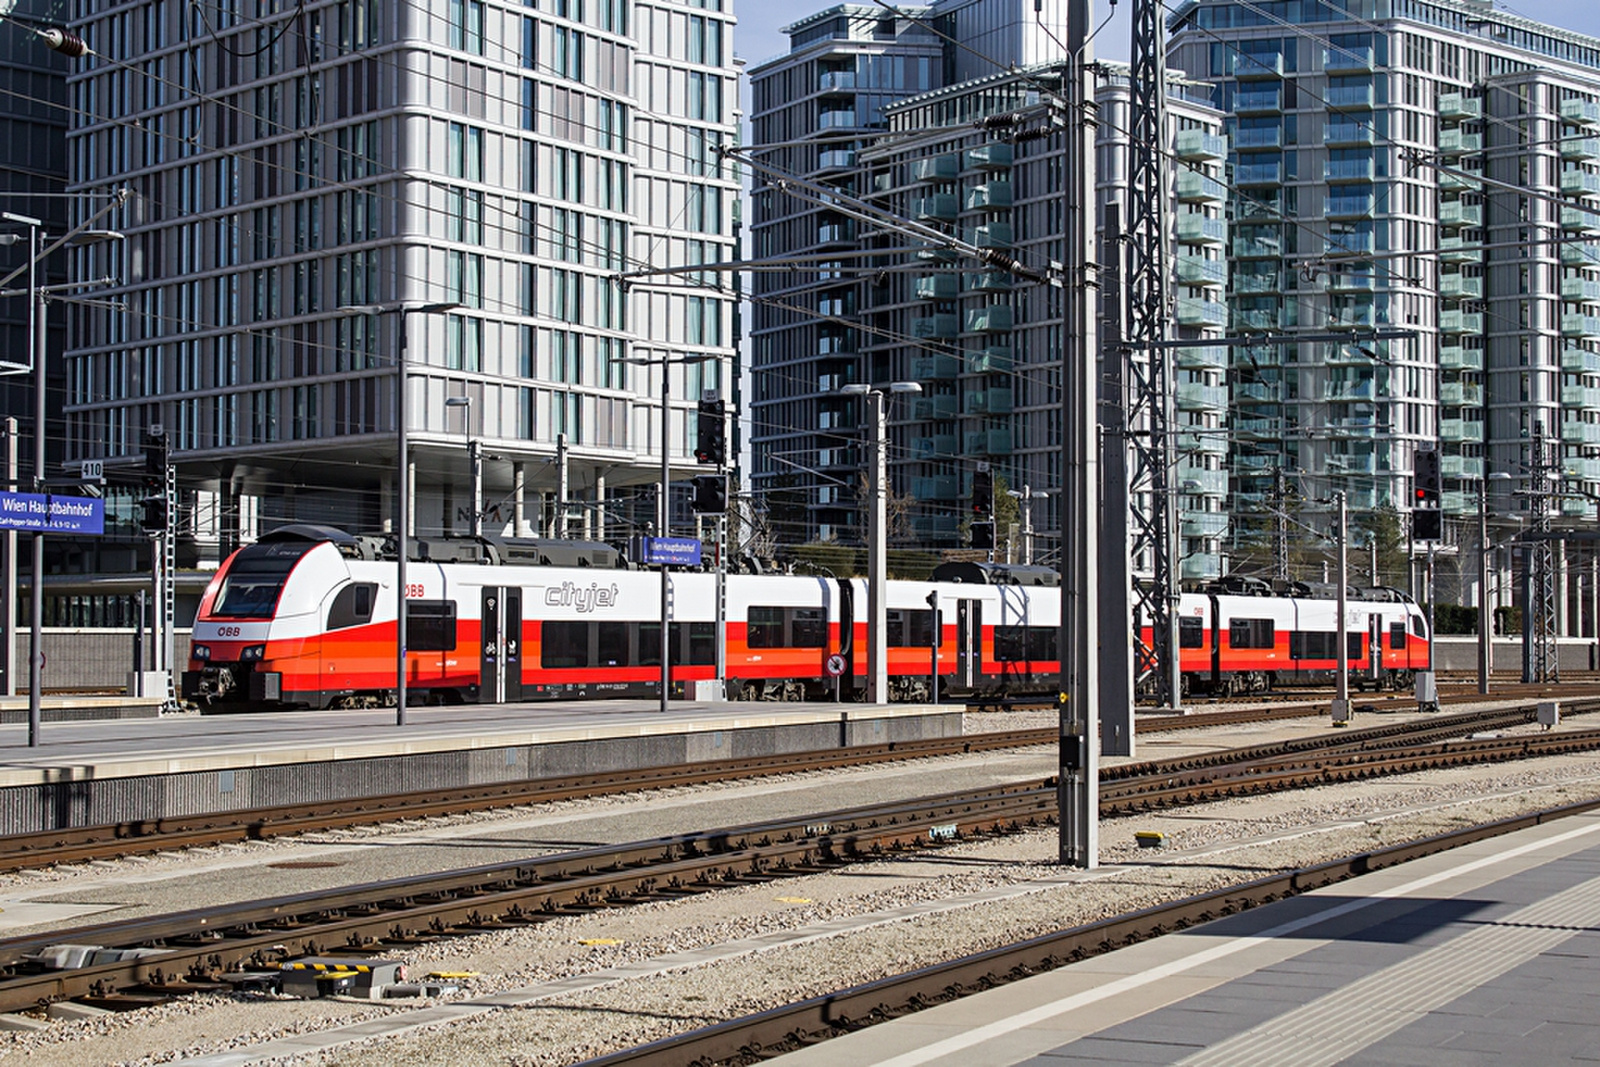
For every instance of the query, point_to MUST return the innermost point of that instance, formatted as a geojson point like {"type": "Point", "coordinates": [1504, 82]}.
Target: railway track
{"type": "Point", "coordinates": [217, 947]}
{"type": "Point", "coordinates": [758, 1038]}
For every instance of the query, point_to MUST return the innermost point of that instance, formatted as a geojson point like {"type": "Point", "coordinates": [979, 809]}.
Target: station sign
{"type": "Point", "coordinates": [673, 551]}
{"type": "Point", "coordinates": [52, 514]}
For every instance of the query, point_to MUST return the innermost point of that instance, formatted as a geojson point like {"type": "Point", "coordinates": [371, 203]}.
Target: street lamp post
{"type": "Point", "coordinates": [1341, 686]}
{"type": "Point", "coordinates": [38, 337]}
{"type": "Point", "coordinates": [402, 481]}
{"type": "Point", "coordinates": [878, 538]}
{"type": "Point", "coordinates": [474, 464]}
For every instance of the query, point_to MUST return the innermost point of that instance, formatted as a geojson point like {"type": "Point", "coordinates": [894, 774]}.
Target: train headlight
{"type": "Point", "coordinates": [252, 653]}
{"type": "Point", "coordinates": [200, 652]}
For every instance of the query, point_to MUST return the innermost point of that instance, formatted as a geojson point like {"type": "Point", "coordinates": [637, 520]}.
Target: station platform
{"type": "Point", "coordinates": [14, 709]}
{"type": "Point", "coordinates": [93, 772]}
{"type": "Point", "coordinates": [1486, 954]}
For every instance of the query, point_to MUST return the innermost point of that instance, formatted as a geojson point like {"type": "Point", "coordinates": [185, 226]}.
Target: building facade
{"type": "Point", "coordinates": [300, 174]}
{"type": "Point", "coordinates": [1426, 166]}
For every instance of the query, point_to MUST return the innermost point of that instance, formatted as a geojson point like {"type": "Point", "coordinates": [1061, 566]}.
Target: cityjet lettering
{"type": "Point", "coordinates": [579, 598]}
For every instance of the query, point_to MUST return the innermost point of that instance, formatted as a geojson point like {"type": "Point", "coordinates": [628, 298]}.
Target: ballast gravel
{"type": "Point", "coordinates": [905, 912]}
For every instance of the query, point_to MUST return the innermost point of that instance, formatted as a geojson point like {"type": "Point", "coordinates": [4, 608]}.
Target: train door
{"type": "Point", "coordinates": [969, 642]}
{"type": "Point", "coordinates": [500, 665]}
{"type": "Point", "coordinates": [1375, 647]}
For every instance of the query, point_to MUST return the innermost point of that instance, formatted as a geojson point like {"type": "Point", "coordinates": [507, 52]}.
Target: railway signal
{"type": "Point", "coordinates": [711, 436]}
{"type": "Point", "coordinates": [1427, 522]}
{"type": "Point", "coordinates": [154, 513]}
{"type": "Point", "coordinates": [982, 492]}
{"type": "Point", "coordinates": [710, 493]}
{"type": "Point", "coordinates": [155, 455]}
{"type": "Point", "coordinates": [983, 535]}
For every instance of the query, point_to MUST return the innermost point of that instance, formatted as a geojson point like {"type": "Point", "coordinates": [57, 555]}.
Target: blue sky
{"type": "Point", "coordinates": [757, 35]}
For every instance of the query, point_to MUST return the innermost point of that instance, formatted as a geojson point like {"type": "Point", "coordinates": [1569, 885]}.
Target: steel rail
{"type": "Point", "coordinates": [759, 1037]}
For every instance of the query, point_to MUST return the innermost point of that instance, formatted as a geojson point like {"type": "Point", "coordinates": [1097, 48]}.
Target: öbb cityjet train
{"type": "Point", "coordinates": [305, 617]}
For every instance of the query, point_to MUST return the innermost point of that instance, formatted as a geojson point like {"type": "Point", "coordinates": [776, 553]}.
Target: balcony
{"type": "Point", "coordinates": [1456, 214]}
{"type": "Point", "coordinates": [1451, 182]}
{"type": "Point", "coordinates": [935, 487]}
{"type": "Point", "coordinates": [1460, 358]}
{"type": "Point", "coordinates": [1193, 396]}
{"type": "Point", "coordinates": [1257, 99]}
{"type": "Point", "coordinates": [1460, 143]}
{"type": "Point", "coordinates": [986, 443]}
{"type": "Point", "coordinates": [937, 169]}
{"type": "Point", "coordinates": [936, 446]}
{"type": "Point", "coordinates": [1585, 326]}
{"type": "Point", "coordinates": [1580, 221]}
{"type": "Point", "coordinates": [1580, 254]}
{"type": "Point", "coordinates": [990, 196]}
{"type": "Point", "coordinates": [1200, 230]}
{"type": "Point", "coordinates": [1580, 289]}
{"type": "Point", "coordinates": [1214, 443]}
{"type": "Point", "coordinates": [1201, 313]}
{"type": "Point", "coordinates": [994, 281]}
{"type": "Point", "coordinates": [935, 368]}
{"type": "Point", "coordinates": [1458, 394]}
{"type": "Point", "coordinates": [1580, 396]}
{"type": "Point", "coordinates": [936, 287]}
{"type": "Point", "coordinates": [1342, 133]}
{"type": "Point", "coordinates": [1258, 173]}
{"type": "Point", "coordinates": [1256, 282]}
{"type": "Point", "coordinates": [1580, 183]}
{"type": "Point", "coordinates": [1457, 106]}
{"type": "Point", "coordinates": [935, 327]}
{"type": "Point", "coordinates": [1347, 243]}
{"type": "Point", "coordinates": [1258, 137]}
{"type": "Point", "coordinates": [1199, 145]}
{"type": "Point", "coordinates": [1201, 357]}
{"type": "Point", "coordinates": [1263, 65]}
{"type": "Point", "coordinates": [1461, 431]}
{"type": "Point", "coordinates": [938, 406]}
{"type": "Point", "coordinates": [1255, 319]}
{"type": "Point", "coordinates": [1348, 170]}
{"type": "Point", "coordinates": [1460, 287]}
{"type": "Point", "coordinates": [1347, 59]}
{"type": "Point", "coordinates": [1580, 148]}
{"type": "Point", "coordinates": [1350, 96]}
{"type": "Point", "coordinates": [1456, 250]}
{"type": "Point", "coordinates": [989, 402]}
{"type": "Point", "coordinates": [1355, 317]}
{"type": "Point", "coordinates": [832, 81]}
{"type": "Point", "coordinates": [1580, 361]}
{"type": "Point", "coordinates": [995, 359]}
{"type": "Point", "coordinates": [1581, 113]}
{"type": "Point", "coordinates": [1200, 566]}
{"type": "Point", "coordinates": [833, 233]}
{"type": "Point", "coordinates": [1361, 464]}
{"type": "Point", "coordinates": [1256, 248]}
{"type": "Point", "coordinates": [1576, 432]}
{"type": "Point", "coordinates": [1192, 270]}
{"type": "Point", "coordinates": [1200, 188]}
{"type": "Point", "coordinates": [1353, 392]}
{"type": "Point", "coordinates": [1461, 466]}
{"type": "Point", "coordinates": [1258, 393]}
{"type": "Point", "coordinates": [1352, 281]}
{"type": "Point", "coordinates": [940, 207]}
{"type": "Point", "coordinates": [1461, 322]}
{"type": "Point", "coordinates": [997, 318]}
{"type": "Point", "coordinates": [990, 157]}
{"type": "Point", "coordinates": [1203, 524]}
{"type": "Point", "coordinates": [991, 235]}
{"type": "Point", "coordinates": [836, 120]}
{"type": "Point", "coordinates": [1348, 205]}
{"type": "Point", "coordinates": [1580, 469]}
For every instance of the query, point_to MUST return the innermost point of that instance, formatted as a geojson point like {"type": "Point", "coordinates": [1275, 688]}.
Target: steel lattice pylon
{"type": "Point", "coordinates": [1150, 394]}
{"type": "Point", "coordinates": [1539, 660]}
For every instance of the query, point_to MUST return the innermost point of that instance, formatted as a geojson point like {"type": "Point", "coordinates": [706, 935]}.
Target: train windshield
{"type": "Point", "coordinates": [255, 577]}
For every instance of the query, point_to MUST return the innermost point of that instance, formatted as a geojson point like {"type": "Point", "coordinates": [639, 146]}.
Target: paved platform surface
{"type": "Point", "coordinates": [177, 743]}
{"type": "Point", "coordinates": [1488, 954]}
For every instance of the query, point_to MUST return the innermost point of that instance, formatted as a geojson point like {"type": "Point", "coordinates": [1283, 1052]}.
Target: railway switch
{"type": "Point", "coordinates": [326, 976]}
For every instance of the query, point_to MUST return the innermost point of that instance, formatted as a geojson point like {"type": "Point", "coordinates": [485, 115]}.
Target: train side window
{"type": "Point", "coordinates": [1313, 644]}
{"type": "Point", "coordinates": [1418, 627]}
{"type": "Point", "coordinates": [564, 644]}
{"type": "Point", "coordinates": [430, 625]}
{"type": "Point", "coordinates": [1010, 643]}
{"type": "Point", "coordinates": [611, 644]}
{"type": "Point", "coordinates": [810, 629]}
{"type": "Point", "coordinates": [1191, 632]}
{"type": "Point", "coordinates": [1397, 635]}
{"type": "Point", "coordinates": [1251, 633]}
{"type": "Point", "coordinates": [910, 629]}
{"type": "Point", "coordinates": [702, 642]}
{"type": "Point", "coordinates": [1352, 644]}
{"type": "Point", "coordinates": [764, 628]}
{"type": "Point", "coordinates": [649, 645]}
{"type": "Point", "coordinates": [352, 605]}
{"type": "Point", "coordinates": [1042, 643]}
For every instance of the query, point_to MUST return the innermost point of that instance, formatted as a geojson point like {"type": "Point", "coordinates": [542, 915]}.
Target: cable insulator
{"type": "Point", "coordinates": [66, 42]}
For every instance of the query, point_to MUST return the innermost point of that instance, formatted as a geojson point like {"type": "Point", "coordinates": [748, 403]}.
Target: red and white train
{"type": "Point", "coordinates": [306, 617]}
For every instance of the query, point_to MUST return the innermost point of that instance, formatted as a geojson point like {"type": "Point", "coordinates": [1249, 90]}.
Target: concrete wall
{"type": "Point", "coordinates": [1461, 654]}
